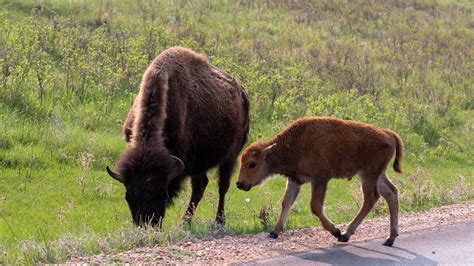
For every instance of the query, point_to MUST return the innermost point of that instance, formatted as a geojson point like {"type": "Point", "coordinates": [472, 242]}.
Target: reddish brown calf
{"type": "Point", "coordinates": [317, 149]}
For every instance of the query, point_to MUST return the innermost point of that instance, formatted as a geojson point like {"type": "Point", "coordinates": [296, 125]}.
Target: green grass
{"type": "Point", "coordinates": [44, 198]}
{"type": "Point", "coordinates": [69, 71]}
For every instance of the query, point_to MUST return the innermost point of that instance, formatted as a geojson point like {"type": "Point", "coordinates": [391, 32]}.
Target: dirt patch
{"type": "Point", "coordinates": [252, 247]}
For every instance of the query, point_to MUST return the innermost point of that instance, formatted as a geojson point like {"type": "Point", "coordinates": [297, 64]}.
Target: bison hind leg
{"type": "Point", "coordinates": [390, 193]}
{"type": "Point", "coordinates": [199, 183]}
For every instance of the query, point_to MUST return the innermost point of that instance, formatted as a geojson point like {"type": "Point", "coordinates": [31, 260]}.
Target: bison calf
{"type": "Point", "coordinates": [316, 149]}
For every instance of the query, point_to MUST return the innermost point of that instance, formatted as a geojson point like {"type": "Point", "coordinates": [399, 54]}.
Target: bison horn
{"type": "Point", "coordinates": [178, 167]}
{"type": "Point", "coordinates": [114, 175]}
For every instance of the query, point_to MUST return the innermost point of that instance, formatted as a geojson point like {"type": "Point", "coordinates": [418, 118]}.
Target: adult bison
{"type": "Point", "coordinates": [317, 149]}
{"type": "Point", "coordinates": [189, 116]}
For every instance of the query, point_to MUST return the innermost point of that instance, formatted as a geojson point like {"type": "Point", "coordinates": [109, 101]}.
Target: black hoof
{"type": "Point", "coordinates": [273, 235]}
{"type": "Point", "coordinates": [343, 238]}
{"type": "Point", "coordinates": [388, 243]}
{"type": "Point", "coordinates": [337, 233]}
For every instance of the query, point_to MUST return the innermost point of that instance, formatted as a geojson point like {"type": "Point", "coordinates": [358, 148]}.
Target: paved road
{"type": "Point", "coordinates": [453, 244]}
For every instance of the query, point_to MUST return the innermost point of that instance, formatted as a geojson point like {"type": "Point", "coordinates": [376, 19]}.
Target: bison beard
{"type": "Point", "coordinates": [189, 116]}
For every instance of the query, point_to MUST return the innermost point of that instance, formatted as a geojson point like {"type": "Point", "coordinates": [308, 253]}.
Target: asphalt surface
{"type": "Point", "coordinates": [452, 244]}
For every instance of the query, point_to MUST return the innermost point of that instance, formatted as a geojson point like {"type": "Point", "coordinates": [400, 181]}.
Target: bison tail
{"type": "Point", "coordinates": [398, 151]}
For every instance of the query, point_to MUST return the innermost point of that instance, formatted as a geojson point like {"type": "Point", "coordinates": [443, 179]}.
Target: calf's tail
{"type": "Point", "coordinates": [397, 166]}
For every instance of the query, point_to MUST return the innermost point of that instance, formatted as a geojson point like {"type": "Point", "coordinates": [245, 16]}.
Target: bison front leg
{"type": "Point", "coordinates": [292, 191]}
{"type": "Point", "coordinates": [199, 184]}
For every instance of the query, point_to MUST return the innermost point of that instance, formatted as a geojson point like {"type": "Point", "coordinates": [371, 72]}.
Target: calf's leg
{"type": "Point", "coordinates": [371, 195]}
{"type": "Point", "coordinates": [199, 184]}
{"type": "Point", "coordinates": [225, 173]}
{"type": "Point", "coordinates": [317, 207]}
{"type": "Point", "coordinates": [292, 191]}
{"type": "Point", "coordinates": [390, 193]}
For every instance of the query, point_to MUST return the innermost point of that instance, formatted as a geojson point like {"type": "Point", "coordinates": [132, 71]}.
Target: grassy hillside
{"type": "Point", "coordinates": [69, 71]}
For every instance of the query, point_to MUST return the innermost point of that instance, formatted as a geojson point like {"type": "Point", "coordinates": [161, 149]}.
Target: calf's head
{"type": "Point", "coordinates": [146, 183]}
{"type": "Point", "coordinates": [254, 166]}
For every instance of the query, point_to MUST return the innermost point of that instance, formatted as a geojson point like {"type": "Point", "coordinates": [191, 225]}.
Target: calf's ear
{"type": "Point", "coordinates": [268, 150]}
{"type": "Point", "coordinates": [177, 167]}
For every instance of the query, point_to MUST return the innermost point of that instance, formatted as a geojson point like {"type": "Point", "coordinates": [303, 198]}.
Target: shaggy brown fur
{"type": "Point", "coordinates": [317, 149]}
{"type": "Point", "coordinates": [189, 109]}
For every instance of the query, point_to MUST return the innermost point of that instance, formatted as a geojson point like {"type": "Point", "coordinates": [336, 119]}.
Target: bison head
{"type": "Point", "coordinates": [254, 167]}
{"type": "Point", "coordinates": [146, 182]}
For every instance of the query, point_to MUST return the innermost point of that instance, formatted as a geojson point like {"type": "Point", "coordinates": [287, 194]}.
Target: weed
{"type": "Point", "coordinates": [84, 160]}
{"type": "Point", "coordinates": [264, 217]}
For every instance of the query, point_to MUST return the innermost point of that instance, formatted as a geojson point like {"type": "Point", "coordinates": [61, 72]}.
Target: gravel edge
{"type": "Point", "coordinates": [244, 248]}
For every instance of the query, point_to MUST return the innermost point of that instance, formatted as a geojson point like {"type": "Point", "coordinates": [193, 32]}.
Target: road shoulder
{"type": "Point", "coordinates": [248, 248]}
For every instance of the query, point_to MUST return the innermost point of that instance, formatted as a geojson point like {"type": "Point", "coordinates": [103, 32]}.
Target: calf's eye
{"type": "Point", "coordinates": [252, 165]}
